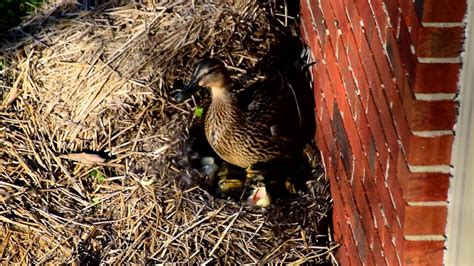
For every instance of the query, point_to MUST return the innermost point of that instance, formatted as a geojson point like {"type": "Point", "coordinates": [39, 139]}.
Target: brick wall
{"type": "Point", "coordinates": [385, 79]}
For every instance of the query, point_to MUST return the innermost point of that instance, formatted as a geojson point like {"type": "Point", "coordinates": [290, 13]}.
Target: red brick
{"type": "Point", "coordinates": [380, 17]}
{"type": "Point", "coordinates": [338, 230]}
{"type": "Point", "coordinates": [325, 83]}
{"type": "Point", "coordinates": [422, 186]}
{"type": "Point", "coordinates": [366, 15]}
{"type": "Point", "coordinates": [436, 78]}
{"type": "Point", "coordinates": [354, 17]}
{"type": "Point", "coordinates": [357, 68]}
{"type": "Point", "coordinates": [342, 142]}
{"type": "Point", "coordinates": [350, 210]}
{"type": "Point", "coordinates": [354, 257]}
{"type": "Point", "coordinates": [308, 25]}
{"type": "Point", "coordinates": [387, 205]}
{"type": "Point", "coordinates": [348, 122]}
{"type": "Point", "coordinates": [410, 17]}
{"type": "Point", "coordinates": [346, 74]}
{"type": "Point", "coordinates": [356, 108]}
{"type": "Point", "coordinates": [334, 74]}
{"type": "Point", "coordinates": [379, 84]}
{"type": "Point", "coordinates": [404, 45]}
{"type": "Point", "coordinates": [425, 220]}
{"type": "Point", "coordinates": [406, 92]}
{"type": "Point", "coordinates": [369, 64]}
{"type": "Point", "coordinates": [373, 117]}
{"type": "Point", "coordinates": [397, 240]}
{"type": "Point", "coordinates": [384, 235]}
{"type": "Point", "coordinates": [374, 202]}
{"type": "Point", "coordinates": [349, 243]}
{"type": "Point", "coordinates": [442, 11]}
{"type": "Point", "coordinates": [389, 249]}
{"type": "Point", "coordinates": [401, 125]}
{"type": "Point", "coordinates": [378, 253]}
{"type": "Point", "coordinates": [387, 246]}
{"type": "Point", "coordinates": [403, 173]}
{"type": "Point", "coordinates": [339, 13]}
{"type": "Point", "coordinates": [318, 97]}
{"type": "Point", "coordinates": [319, 21]}
{"type": "Point", "coordinates": [327, 132]}
{"type": "Point", "coordinates": [391, 92]}
{"type": "Point", "coordinates": [326, 160]}
{"type": "Point", "coordinates": [370, 260]}
{"type": "Point", "coordinates": [382, 62]}
{"type": "Point", "coordinates": [342, 255]}
{"type": "Point", "coordinates": [320, 143]}
{"type": "Point", "coordinates": [396, 63]}
{"type": "Point", "coordinates": [393, 13]}
{"type": "Point", "coordinates": [426, 116]}
{"type": "Point", "coordinates": [431, 150]}
{"type": "Point", "coordinates": [336, 227]}
{"type": "Point", "coordinates": [379, 97]}
{"type": "Point", "coordinates": [362, 245]}
{"type": "Point", "coordinates": [342, 101]}
{"type": "Point", "coordinates": [439, 42]}
{"type": "Point", "coordinates": [331, 22]}
{"type": "Point", "coordinates": [363, 128]}
{"type": "Point", "coordinates": [364, 211]}
{"type": "Point", "coordinates": [337, 199]}
{"type": "Point", "coordinates": [428, 187]}
{"type": "Point", "coordinates": [339, 222]}
{"type": "Point", "coordinates": [423, 252]}
{"type": "Point", "coordinates": [395, 190]}
{"type": "Point", "coordinates": [338, 216]}
{"type": "Point", "coordinates": [353, 216]}
{"type": "Point", "coordinates": [353, 135]}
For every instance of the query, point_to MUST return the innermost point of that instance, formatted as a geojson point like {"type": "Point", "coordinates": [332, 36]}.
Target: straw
{"type": "Point", "coordinates": [94, 152]}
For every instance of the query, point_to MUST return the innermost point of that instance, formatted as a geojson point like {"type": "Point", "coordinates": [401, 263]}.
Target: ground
{"type": "Point", "coordinates": [95, 154]}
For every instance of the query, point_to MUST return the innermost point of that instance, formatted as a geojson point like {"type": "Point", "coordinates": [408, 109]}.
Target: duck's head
{"type": "Point", "coordinates": [210, 73]}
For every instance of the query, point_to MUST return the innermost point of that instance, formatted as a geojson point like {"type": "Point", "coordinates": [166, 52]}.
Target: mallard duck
{"type": "Point", "coordinates": [261, 124]}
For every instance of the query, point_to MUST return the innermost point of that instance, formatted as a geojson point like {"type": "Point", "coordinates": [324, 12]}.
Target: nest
{"type": "Point", "coordinates": [92, 144]}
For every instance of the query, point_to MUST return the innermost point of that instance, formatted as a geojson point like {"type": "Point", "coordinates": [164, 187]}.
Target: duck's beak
{"type": "Point", "coordinates": [187, 91]}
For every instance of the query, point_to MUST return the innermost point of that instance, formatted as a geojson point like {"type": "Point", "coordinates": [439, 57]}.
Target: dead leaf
{"type": "Point", "coordinates": [83, 157]}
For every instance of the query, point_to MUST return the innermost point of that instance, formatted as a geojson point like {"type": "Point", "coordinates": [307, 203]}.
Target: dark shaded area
{"type": "Point", "coordinates": [11, 12]}
{"type": "Point", "coordinates": [419, 8]}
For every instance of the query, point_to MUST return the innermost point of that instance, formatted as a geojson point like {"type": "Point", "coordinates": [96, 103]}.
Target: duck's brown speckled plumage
{"type": "Point", "coordinates": [259, 125]}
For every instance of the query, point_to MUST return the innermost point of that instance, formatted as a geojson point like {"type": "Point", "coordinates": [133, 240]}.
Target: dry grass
{"type": "Point", "coordinates": [79, 81]}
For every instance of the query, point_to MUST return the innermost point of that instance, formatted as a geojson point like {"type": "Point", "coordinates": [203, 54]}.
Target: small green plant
{"type": "Point", "coordinates": [98, 175]}
{"type": "Point", "coordinates": [198, 112]}
{"type": "Point", "coordinates": [96, 201]}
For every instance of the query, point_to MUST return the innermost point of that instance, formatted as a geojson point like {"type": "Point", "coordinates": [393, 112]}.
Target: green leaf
{"type": "Point", "coordinates": [101, 178]}
{"type": "Point", "coordinates": [198, 112]}
{"type": "Point", "coordinates": [97, 174]}
{"type": "Point", "coordinates": [96, 201]}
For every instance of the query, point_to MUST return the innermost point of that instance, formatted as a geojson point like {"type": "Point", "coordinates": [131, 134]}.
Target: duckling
{"type": "Point", "coordinates": [261, 124]}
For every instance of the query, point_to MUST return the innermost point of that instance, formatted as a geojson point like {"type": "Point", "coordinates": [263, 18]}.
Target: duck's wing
{"type": "Point", "coordinates": [270, 106]}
